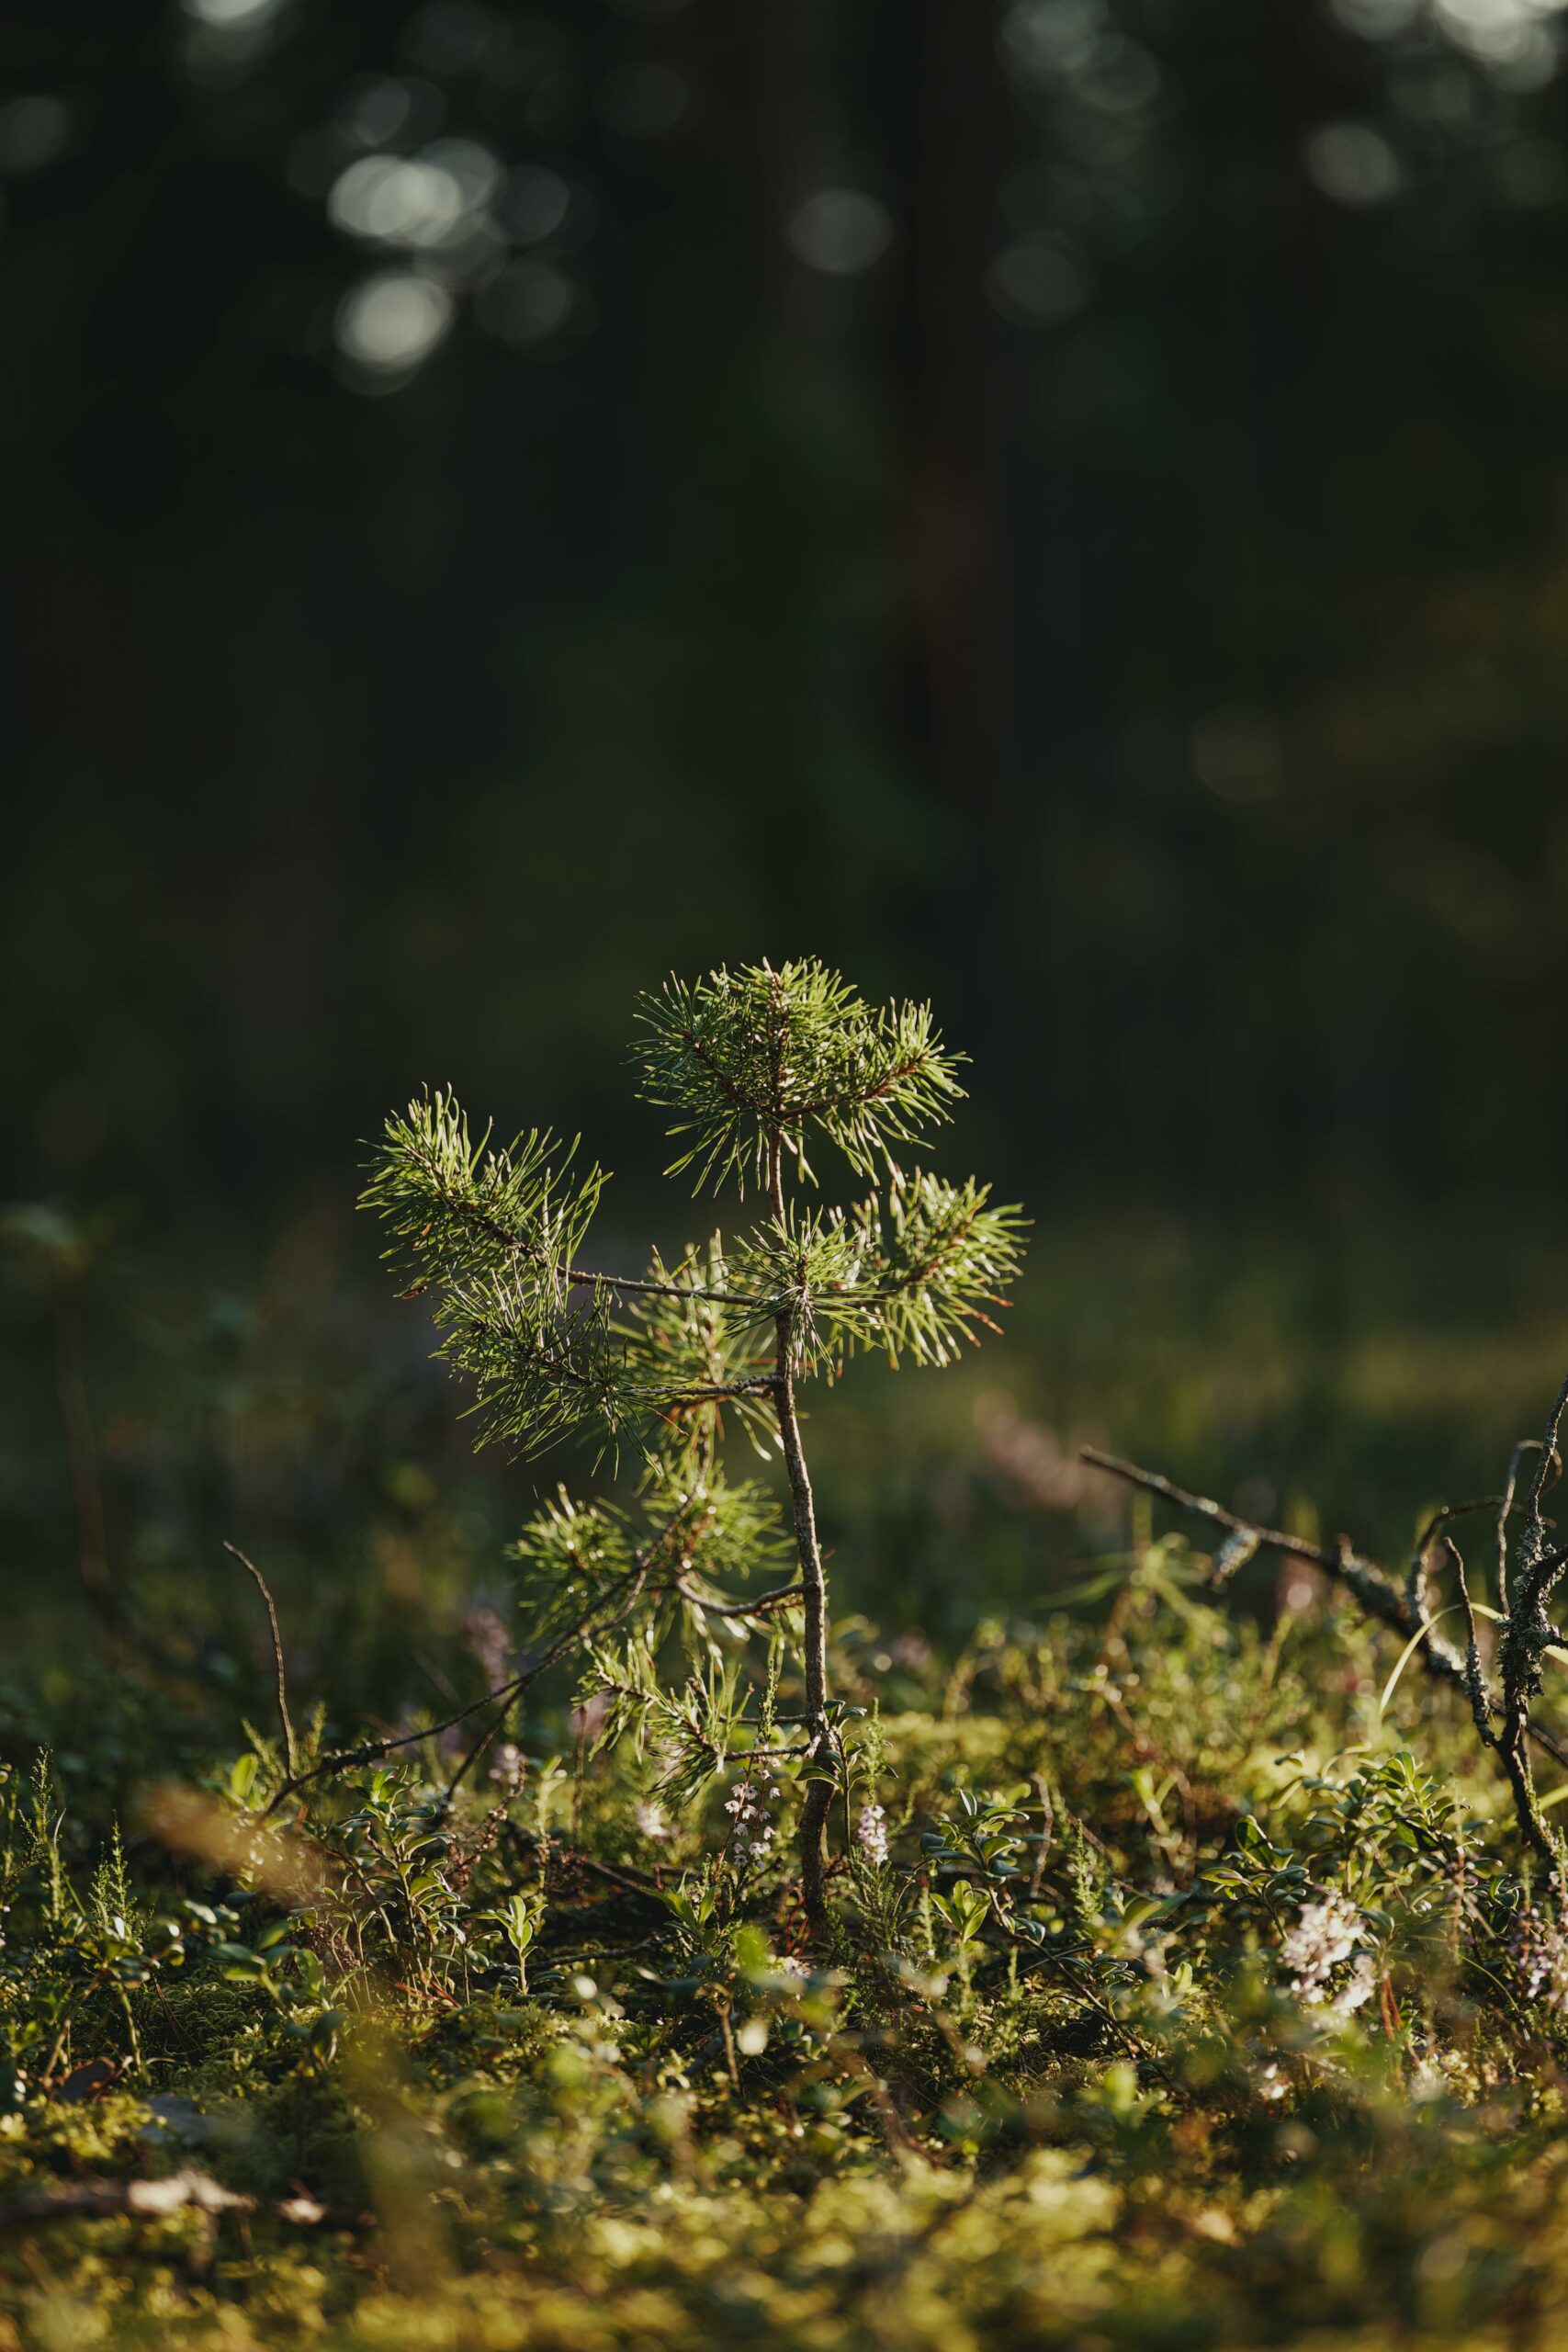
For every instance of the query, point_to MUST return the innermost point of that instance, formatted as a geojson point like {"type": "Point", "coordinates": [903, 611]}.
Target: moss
{"type": "Point", "coordinates": [1127, 2127]}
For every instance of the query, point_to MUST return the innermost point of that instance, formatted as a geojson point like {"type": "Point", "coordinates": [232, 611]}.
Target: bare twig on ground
{"type": "Point", "coordinates": [290, 1753]}
{"type": "Point", "coordinates": [1526, 1632]}
{"type": "Point", "coordinates": [147, 2200]}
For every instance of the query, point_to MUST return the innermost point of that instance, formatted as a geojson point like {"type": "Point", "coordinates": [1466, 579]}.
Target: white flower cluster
{"type": "Point", "coordinates": [1326, 1934]}
{"type": "Point", "coordinates": [509, 1767]}
{"type": "Point", "coordinates": [1541, 1954]}
{"type": "Point", "coordinates": [1357, 1987]}
{"type": "Point", "coordinates": [752, 1836]}
{"type": "Point", "coordinates": [1436, 2075]}
{"type": "Point", "coordinates": [650, 1820]}
{"type": "Point", "coordinates": [872, 1831]}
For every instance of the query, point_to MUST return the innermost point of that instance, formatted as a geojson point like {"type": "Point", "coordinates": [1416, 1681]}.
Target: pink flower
{"type": "Point", "coordinates": [753, 1834]}
{"type": "Point", "coordinates": [872, 1831]}
{"type": "Point", "coordinates": [1326, 1933]}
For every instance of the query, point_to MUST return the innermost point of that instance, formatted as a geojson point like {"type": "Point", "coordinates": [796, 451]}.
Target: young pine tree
{"type": "Point", "coordinates": [756, 1066]}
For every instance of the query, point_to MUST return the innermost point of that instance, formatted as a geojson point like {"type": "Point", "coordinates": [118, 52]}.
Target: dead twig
{"type": "Point", "coordinates": [1527, 1635]}
{"type": "Point", "coordinates": [147, 2200]}
{"type": "Point", "coordinates": [290, 1753]}
{"type": "Point", "coordinates": [1526, 1632]}
{"type": "Point", "coordinates": [526, 1842]}
{"type": "Point", "coordinates": [625, 1593]}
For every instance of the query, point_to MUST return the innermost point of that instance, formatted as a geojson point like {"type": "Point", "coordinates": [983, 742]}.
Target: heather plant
{"type": "Point", "coordinates": [761, 1069]}
{"type": "Point", "coordinates": [1186, 1969]}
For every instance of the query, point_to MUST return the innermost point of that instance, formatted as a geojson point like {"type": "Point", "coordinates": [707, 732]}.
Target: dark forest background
{"type": "Point", "coordinates": [1061, 508]}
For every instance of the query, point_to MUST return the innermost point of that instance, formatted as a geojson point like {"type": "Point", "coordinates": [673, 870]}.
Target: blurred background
{"type": "Point", "coordinates": [1058, 506]}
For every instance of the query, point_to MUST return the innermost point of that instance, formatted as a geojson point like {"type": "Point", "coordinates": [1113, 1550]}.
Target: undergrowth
{"type": "Point", "coordinates": [1164, 1969]}
{"type": "Point", "coordinates": [1172, 2001]}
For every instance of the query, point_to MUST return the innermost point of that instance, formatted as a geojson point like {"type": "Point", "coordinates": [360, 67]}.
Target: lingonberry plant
{"type": "Point", "coordinates": [756, 1066]}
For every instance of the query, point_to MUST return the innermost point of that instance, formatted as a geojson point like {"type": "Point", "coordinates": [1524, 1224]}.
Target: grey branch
{"type": "Point", "coordinates": [1376, 1592]}
{"type": "Point", "coordinates": [783, 1596]}
{"type": "Point", "coordinates": [147, 2200]}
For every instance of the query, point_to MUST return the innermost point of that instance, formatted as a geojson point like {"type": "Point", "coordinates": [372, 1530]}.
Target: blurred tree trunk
{"type": "Point", "coordinates": [947, 125]}
{"type": "Point", "coordinates": [945, 106]}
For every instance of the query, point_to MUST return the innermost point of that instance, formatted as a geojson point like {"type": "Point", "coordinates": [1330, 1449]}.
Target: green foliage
{"type": "Point", "coordinates": [1301, 2029]}
{"type": "Point", "coordinates": [683, 1543]}
{"type": "Point", "coordinates": [911, 1276]}
{"type": "Point", "coordinates": [1185, 1980]}
{"type": "Point", "coordinates": [744, 1057]}
{"type": "Point", "coordinates": [452, 1206]}
{"type": "Point", "coordinates": [496, 1231]}
{"type": "Point", "coordinates": [753, 1063]}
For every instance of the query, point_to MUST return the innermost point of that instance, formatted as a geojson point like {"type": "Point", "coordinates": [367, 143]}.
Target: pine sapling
{"type": "Point", "coordinates": [756, 1067]}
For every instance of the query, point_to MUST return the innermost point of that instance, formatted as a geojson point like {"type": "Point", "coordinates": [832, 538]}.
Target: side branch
{"type": "Point", "coordinates": [624, 1592]}
{"type": "Point", "coordinates": [783, 1596]}
{"type": "Point", "coordinates": [584, 1278]}
{"type": "Point", "coordinates": [516, 1244]}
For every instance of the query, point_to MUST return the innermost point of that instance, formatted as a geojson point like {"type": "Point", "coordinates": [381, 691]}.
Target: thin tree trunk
{"type": "Point", "coordinates": [814, 1596]}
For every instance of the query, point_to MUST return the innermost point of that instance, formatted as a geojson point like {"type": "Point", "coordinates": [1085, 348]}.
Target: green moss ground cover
{"type": "Point", "coordinates": [977, 1916]}
{"type": "Point", "coordinates": [1192, 2002]}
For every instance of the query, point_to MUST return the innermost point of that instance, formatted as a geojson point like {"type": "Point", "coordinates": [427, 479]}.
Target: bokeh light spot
{"type": "Point", "coordinates": [534, 203]}
{"type": "Point", "coordinates": [393, 320]}
{"type": "Point", "coordinates": [1352, 164]}
{"type": "Point", "coordinates": [1037, 283]}
{"type": "Point", "coordinates": [1043, 40]}
{"type": "Point", "coordinates": [395, 199]}
{"type": "Point", "coordinates": [376, 111]}
{"type": "Point", "coordinates": [232, 16]}
{"type": "Point", "coordinates": [34, 133]}
{"type": "Point", "coordinates": [840, 231]}
{"type": "Point", "coordinates": [1122, 78]}
{"type": "Point", "coordinates": [475, 170]}
{"type": "Point", "coordinates": [1512, 38]}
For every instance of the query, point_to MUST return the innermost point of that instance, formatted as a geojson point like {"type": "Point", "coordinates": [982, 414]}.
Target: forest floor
{"type": "Point", "coordinates": [1187, 1985]}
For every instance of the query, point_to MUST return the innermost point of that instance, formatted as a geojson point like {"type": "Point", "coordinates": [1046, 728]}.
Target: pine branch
{"type": "Point", "coordinates": [935, 1262]}
{"type": "Point", "coordinates": [540, 1368]}
{"type": "Point", "coordinates": [783, 1596]}
{"type": "Point", "coordinates": [623, 1594]}
{"type": "Point", "coordinates": [916, 1278]}
{"type": "Point", "coordinates": [455, 1209]}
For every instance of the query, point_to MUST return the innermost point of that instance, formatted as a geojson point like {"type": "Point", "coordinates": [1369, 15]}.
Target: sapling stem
{"type": "Point", "coordinates": [813, 1583]}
